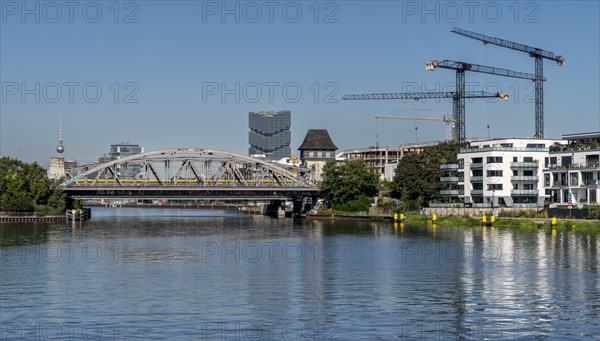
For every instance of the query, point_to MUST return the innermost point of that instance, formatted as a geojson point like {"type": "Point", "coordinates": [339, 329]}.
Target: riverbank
{"type": "Point", "coordinates": [31, 218]}
{"type": "Point", "coordinates": [582, 225]}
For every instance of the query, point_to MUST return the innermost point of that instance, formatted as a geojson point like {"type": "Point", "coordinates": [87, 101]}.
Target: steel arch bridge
{"type": "Point", "coordinates": [191, 173]}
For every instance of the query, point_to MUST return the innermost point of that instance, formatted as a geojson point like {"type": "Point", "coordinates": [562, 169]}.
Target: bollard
{"type": "Point", "coordinates": [434, 218]}
{"type": "Point", "coordinates": [492, 219]}
{"type": "Point", "coordinates": [395, 217]}
{"type": "Point", "coordinates": [553, 221]}
{"type": "Point", "coordinates": [401, 217]}
{"type": "Point", "coordinates": [483, 220]}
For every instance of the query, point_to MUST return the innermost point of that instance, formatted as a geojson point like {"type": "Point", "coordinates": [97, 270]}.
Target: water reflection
{"type": "Point", "coordinates": [181, 274]}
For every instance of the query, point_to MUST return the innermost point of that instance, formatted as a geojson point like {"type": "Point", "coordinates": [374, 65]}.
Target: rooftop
{"type": "Point", "coordinates": [580, 136]}
{"type": "Point", "coordinates": [317, 139]}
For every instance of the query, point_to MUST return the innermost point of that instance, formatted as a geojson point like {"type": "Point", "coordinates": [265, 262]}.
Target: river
{"type": "Point", "coordinates": [183, 274]}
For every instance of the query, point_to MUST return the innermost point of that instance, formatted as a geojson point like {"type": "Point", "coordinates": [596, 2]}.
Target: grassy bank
{"type": "Point", "coordinates": [587, 226]}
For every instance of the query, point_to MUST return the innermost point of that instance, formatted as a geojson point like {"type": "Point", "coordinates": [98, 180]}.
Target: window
{"type": "Point", "coordinates": [494, 187]}
{"type": "Point", "coordinates": [592, 160]}
{"type": "Point", "coordinates": [573, 179]}
{"type": "Point", "coordinates": [553, 160]}
{"type": "Point", "coordinates": [477, 172]}
{"type": "Point", "coordinates": [547, 180]}
{"type": "Point", "coordinates": [527, 186]}
{"type": "Point", "coordinates": [565, 161]}
{"type": "Point", "coordinates": [587, 178]}
{"type": "Point", "coordinates": [527, 159]}
{"type": "Point", "coordinates": [535, 145]}
{"type": "Point", "coordinates": [506, 145]}
{"type": "Point", "coordinates": [477, 160]}
{"type": "Point", "coordinates": [494, 159]}
{"type": "Point", "coordinates": [528, 173]}
{"type": "Point", "coordinates": [515, 159]}
{"type": "Point", "coordinates": [323, 154]}
{"type": "Point", "coordinates": [494, 172]}
{"type": "Point", "coordinates": [515, 173]}
{"type": "Point", "coordinates": [515, 186]}
{"type": "Point", "coordinates": [477, 186]}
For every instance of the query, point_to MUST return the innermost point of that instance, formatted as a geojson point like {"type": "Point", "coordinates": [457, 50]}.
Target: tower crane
{"type": "Point", "coordinates": [448, 119]}
{"type": "Point", "coordinates": [460, 68]}
{"type": "Point", "coordinates": [538, 54]}
{"type": "Point", "coordinates": [455, 95]}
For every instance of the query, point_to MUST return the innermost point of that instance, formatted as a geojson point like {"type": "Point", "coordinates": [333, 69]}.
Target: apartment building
{"type": "Point", "coordinates": [502, 172]}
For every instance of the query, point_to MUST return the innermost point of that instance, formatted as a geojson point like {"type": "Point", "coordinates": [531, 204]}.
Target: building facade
{"type": "Point", "coordinates": [385, 159]}
{"type": "Point", "coordinates": [316, 149]}
{"type": "Point", "coordinates": [123, 150]}
{"type": "Point", "coordinates": [573, 171]}
{"type": "Point", "coordinates": [502, 172]}
{"type": "Point", "coordinates": [269, 134]}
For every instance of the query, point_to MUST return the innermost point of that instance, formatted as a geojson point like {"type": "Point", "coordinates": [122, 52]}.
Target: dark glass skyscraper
{"type": "Point", "coordinates": [270, 134]}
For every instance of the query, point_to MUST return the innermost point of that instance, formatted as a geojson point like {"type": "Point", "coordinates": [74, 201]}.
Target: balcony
{"type": "Point", "coordinates": [451, 179]}
{"type": "Point", "coordinates": [449, 192]}
{"type": "Point", "coordinates": [584, 165]}
{"type": "Point", "coordinates": [524, 178]}
{"type": "Point", "coordinates": [477, 179]}
{"type": "Point", "coordinates": [502, 149]}
{"type": "Point", "coordinates": [477, 192]}
{"type": "Point", "coordinates": [530, 205]}
{"type": "Point", "coordinates": [446, 204]}
{"type": "Point", "coordinates": [520, 192]}
{"type": "Point", "coordinates": [527, 165]}
{"type": "Point", "coordinates": [476, 165]}
{"type": "Point", "coordinates": [452, 166]}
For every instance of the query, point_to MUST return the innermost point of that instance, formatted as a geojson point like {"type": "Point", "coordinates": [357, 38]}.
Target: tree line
{"type": "Point", "coordinates": [24, 187]}
{"type": "Point", "coordinates": [351, 185]}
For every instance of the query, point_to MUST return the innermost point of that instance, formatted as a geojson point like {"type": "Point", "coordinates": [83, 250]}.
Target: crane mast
{"type": "Point", "coordinates": [460, 68]}
{"type": "Point", "coordinates": [538, 54]}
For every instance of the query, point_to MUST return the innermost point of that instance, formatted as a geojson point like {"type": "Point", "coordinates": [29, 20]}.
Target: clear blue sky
{"type": "Point", "coordinates": [177, 55]}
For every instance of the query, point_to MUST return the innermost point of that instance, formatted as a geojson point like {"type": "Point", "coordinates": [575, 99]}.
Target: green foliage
{"type": "Point", "coordinates": [594, 212]}
{"type": "Point", "coordinates": [349, 186]}
{"type": "Point", "coordinates": [18, 202]}
{"type": "Point", "coordinates": [24, 186]}
{"type": "Point", "coordinates": [417, 178]}
{"type": "Point", "coordinates": [525, 213]}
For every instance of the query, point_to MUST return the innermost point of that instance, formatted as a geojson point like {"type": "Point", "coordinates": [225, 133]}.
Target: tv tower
{"type": "Point", "coordinates": [60, 149]}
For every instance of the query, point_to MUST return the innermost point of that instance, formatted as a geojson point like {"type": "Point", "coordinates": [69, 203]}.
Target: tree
{"type": "Point", "coordinates": [349, 186]}
{"type": "Point", "coordinates": [24, 186]}
{"type": "Point", "coordinates": [417, 178]}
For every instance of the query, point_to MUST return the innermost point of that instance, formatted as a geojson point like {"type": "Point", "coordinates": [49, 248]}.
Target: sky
{"type": "Point", "coordinates": [167, 74]}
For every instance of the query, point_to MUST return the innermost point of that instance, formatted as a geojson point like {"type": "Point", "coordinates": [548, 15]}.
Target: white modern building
{"type": "Point", "coordinates": [575, 170]}
{"type": "Point", "coordinates": [505, 172]}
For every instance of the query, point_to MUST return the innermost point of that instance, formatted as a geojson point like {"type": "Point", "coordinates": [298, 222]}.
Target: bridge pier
{"type": "Point", "coordinates": [272, 209]}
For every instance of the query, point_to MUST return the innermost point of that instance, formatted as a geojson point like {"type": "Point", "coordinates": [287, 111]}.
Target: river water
{"type": "Point", "coordinates": [148, 274]}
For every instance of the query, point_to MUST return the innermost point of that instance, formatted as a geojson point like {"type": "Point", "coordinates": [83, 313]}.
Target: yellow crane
{"type": "Point", "coordinates": [450, 122]}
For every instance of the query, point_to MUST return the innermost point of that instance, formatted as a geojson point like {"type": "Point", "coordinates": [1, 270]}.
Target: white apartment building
{"type": "Point", "coordinates": [575, 171]}
{"type": "Point", "coordinates": [505, 172]}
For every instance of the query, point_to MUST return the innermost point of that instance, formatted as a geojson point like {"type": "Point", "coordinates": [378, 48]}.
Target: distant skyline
{"type": "Point", "coordinates": [187, 73]}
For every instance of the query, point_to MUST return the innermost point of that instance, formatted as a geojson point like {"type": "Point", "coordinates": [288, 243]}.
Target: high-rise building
{"type": "Point", "coordinates": [123, 150]}
{"type": "Point", "coordinates": [269, 134]}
